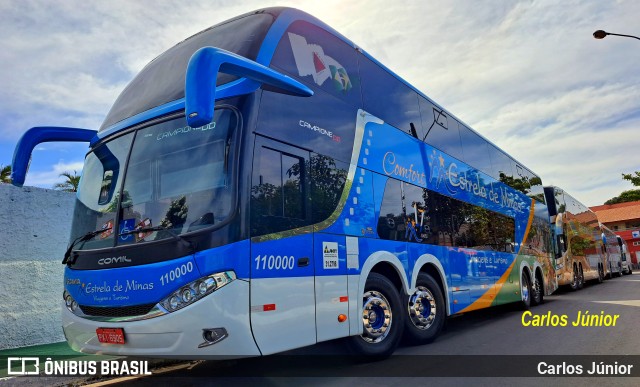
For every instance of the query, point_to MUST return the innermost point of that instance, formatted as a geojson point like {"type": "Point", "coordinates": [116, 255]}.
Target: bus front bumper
{"type": "Point", "coordinates": [178, 334]}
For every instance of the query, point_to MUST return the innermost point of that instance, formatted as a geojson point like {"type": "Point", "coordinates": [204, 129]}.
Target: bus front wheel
{"type": "Point", "coordinates": [426, 311]}
{"type": "Point", "coordinates": [382, 319]}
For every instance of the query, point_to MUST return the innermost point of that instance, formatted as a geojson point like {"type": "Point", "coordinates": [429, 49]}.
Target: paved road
{"type": "Point", "coordinates": [494, 338]}
{"type": "Point", "coordinates": [493, 335]}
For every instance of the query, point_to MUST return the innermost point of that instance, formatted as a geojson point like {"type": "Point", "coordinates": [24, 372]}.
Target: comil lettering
{"type": "Point", "coordinates": [111, 260]}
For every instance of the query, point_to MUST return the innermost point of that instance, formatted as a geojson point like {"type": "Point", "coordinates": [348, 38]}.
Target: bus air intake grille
{"type": "Point", "coordinates": [117, 311]}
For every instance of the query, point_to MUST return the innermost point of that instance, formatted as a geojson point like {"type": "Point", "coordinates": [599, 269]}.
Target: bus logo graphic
{"type": "Point", "coordinates": [311, 60]}
{"type": "Point", "coordinates": [24, 365]}
{"type": "Point", "coordinates": [330, 255]}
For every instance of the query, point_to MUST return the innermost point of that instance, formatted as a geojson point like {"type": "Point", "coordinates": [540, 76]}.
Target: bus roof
{"type": "Point", "coordinates": [254, 39]}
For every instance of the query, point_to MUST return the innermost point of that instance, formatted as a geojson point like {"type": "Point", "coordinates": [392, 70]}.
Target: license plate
{"type": "Point", "coordinates": [110, 335]}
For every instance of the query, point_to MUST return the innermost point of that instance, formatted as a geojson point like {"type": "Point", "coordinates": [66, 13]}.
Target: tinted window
{"type": "Point", "coordinates": [321, 123]}
{"type": "Point", "coordinates": [163, 79]}
{"type": "Point", "coordinates": [328, 178]}
{"type": "Point", "coordinates": [476, 150]}
{"type": "Point", "coordinates": [500, 164]}
{"type": "Point", "coordinates": [391, 224]}
{"type": "Point", "coordinates": [420, 215]}
{"type": "Point", "coordinates": [439, 129]}
{"type": "Point", "coordinates": [279, 192]}
{"type": "Point", "coordinates": [319, 59]}
{"type": "Point", "coordinates": [387, 97]}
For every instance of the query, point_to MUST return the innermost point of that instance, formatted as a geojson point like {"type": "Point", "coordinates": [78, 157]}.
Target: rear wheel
{"type": "Point", "coordinates": [600, 274]}
{"type": "Point", "coordinates": [538, 290]}
{"type": "Point", "coordinates": [426, 311]}
{"type": "Point", "coordinates": [580, 277]}
{"type": "Point", "coordinates": [382, 319]}
{"type": "Point", "coordinates": [525, 291]}
{"type": "Point", "coordinates": [574, 279]}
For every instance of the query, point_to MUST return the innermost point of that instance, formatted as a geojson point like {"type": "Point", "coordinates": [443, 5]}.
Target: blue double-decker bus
{"type": "Point", "coordinates": [266, 185]}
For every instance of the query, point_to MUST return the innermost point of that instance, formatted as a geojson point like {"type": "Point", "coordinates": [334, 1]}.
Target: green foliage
{"type": "Point", "coordinates": [626, 196]}
{"type": "Point", "coordinates": [5, 174]}
{"type": "Point", "coordinates": [70, 184]}
{"type": "Point", "coordinates": [634, 178]}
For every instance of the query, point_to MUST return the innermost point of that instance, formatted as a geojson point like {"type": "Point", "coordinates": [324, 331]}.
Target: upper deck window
{"type": "Point", "coordinates": [163, 79]}
{"type": "Point", "coordinates": [319, 59]}
{"type": "Point", "coordinates": [387, 97]}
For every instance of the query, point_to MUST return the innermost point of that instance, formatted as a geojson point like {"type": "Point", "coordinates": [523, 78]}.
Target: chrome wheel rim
{"type": "Point", "coordinates": [525, 289]}
{"type": "Point", "coordinates": [422, 308]}
{"type": "Point", "coordinates": [376, 317]}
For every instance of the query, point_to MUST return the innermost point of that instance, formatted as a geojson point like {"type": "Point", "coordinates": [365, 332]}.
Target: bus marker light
{"type": "Point", "coordinates": [344, 299]}
{"type": "Point", "coordinates": [342, 318]}
{"type": "Point", "coordinates": [268, 307]}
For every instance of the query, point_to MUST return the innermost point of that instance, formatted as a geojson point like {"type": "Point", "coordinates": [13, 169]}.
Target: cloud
{"type": "Point", "coordinates": [48, 178]}
{"type": "Point", "coordinates": [525, 74]}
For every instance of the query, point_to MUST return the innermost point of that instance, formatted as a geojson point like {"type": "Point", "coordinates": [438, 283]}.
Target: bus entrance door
{"type": "Point", "coordinates": [283, 311]}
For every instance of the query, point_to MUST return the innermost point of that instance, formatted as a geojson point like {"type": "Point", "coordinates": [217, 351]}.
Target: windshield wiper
{"type": "Point", "coordinates": [173, 235]}
{"type": "Point", "coordinates": [84, 238]}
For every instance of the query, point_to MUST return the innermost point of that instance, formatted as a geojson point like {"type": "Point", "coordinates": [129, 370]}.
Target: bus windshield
{"type": "Point", "coordinates": [176, 178]}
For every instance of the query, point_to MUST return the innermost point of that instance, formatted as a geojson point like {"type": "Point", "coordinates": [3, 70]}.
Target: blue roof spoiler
{"type": "Point", "coordinates": [202, 72]}
{"type": "Point", "coordinates": [37, 135]}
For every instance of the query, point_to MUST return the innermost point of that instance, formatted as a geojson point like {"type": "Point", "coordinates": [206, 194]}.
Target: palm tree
{"type": "Point", "coordinates": [5, 174]}
{"type": "Point", "coordinates": [69, 185]}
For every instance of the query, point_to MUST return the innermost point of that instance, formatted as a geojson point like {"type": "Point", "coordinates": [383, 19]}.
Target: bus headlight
{"type": "Point", "coordinates": [193, 291]}
{"type": "Point", "coordinates": [70, 303]}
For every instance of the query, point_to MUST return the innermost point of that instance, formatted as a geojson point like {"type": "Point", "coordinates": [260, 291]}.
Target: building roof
{"type": "Point", "coordinates": [617, 205]}
{"type": "Point", "coordinates": [617, 212]}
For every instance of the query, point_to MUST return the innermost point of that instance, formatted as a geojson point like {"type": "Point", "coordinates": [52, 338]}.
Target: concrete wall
{"type": "Point", "coordinates": [35, 224]}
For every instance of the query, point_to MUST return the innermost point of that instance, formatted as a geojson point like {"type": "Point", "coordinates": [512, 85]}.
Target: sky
{"type": "Point", "coordinates": [528, 75]}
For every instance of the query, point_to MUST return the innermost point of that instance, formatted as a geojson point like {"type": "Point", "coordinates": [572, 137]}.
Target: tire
{"type": "Point", "coordinates": [525, 291]}
{"type": "Point", "coordinates": [630, 269]}
{"type": "Point", "coordinates": [538, 291]}
{"type": "Point", "coordinates": [600, 274]}
{"type": "Point", "coordinates": [381, 303]}
{"type": "Point", "coordinates": [426, 312]}
{"type": "Point", "coordinates": [580, 277]}
{"type": "Point", "coordinates": [575, 279]}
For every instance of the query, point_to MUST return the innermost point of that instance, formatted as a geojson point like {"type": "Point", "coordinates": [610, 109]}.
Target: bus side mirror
{"type": "Point", "coordinates": [202, 73]}
{"type": "Point", "coordinates": [37, 135]}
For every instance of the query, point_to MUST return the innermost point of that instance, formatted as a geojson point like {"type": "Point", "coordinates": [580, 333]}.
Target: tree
{"type": "Point", "coordinates": [625, 196]}
{"type": "Point", "coordinates": [69, 185]}
{"type": "Point", "coordinates": [5, 174]}
{"type": "Point", "coordinates": [634, 178]}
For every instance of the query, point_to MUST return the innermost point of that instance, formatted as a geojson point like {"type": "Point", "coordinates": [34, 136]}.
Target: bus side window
{"type": "Point", "coordinates": [476, 150]}
{"type": "Point", "coordinates": [387, 98]}
{"type": "Point", "coordinates": [328, 178]}
{"type": "Point", "coordinates": [391, 224]}
{"type": "Point", "coordinates": [319, 59]}
{"type": "Point", "coordinates": [439, 129]}
{"type": "Point", "coordinates": [279, 192]}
